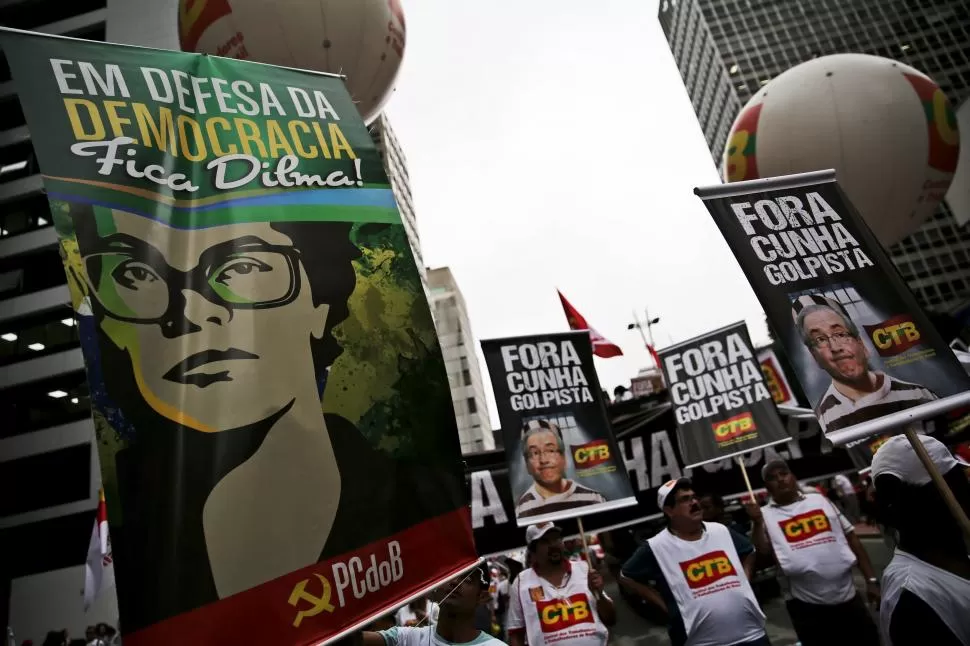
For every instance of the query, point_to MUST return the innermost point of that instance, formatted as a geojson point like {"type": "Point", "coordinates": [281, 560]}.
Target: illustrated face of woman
{"type": "Point", "coordinates": [216, 322]}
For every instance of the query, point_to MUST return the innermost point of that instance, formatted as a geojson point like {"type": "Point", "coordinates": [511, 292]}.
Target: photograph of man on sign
{"type": "Point", "coordinates": [214, 345]}
{"type": "Point", "coordinates": [857, 393]}
{"type": "Point", "coordinates": [544, 452]}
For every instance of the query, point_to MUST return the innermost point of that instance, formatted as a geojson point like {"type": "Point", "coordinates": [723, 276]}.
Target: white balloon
{"type": "Point", "coordinates": [886, 128]}
{"type": "Point", "coordinates": [361, 39]}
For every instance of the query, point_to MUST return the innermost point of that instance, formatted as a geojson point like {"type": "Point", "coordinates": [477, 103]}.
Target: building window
{"type": "Point", "coordinates": [466, 376]}
{"type": "Point", "coordinates": [472, 406]}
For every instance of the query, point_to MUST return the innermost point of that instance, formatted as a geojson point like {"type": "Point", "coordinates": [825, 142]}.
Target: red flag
{"type": "Point", "coordinates": [653, 353]}
{"type": "Point", "coordinates": [602, 347]}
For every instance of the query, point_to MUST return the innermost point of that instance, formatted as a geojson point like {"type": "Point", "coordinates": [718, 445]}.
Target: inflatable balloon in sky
{"type": "Point", "coordinates": [887, 129]}
{"type": "Point", "coordinates": [362, 39]}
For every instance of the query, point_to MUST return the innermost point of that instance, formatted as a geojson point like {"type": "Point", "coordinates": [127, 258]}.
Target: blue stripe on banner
{"type": "Point", "coordinates": [380, 197]}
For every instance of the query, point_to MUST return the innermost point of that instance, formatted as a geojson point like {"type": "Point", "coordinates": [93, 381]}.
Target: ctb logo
{"type": "Point", "coordinates": [894, 336]}
{"type": "Point", "coordinates": [804, 526]}
{"type": "Point", "coordinates": [558, 614]}
{"type": "Point", "coordinates": [707, 569]}
{"type": "Point", "coordinates": [591, 454]}
{"type": "Point", "coordinates": [735, 429]}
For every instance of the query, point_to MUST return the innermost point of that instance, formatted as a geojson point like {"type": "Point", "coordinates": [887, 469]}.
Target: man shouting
{"type": "Point", "coordinates": [698, 573]}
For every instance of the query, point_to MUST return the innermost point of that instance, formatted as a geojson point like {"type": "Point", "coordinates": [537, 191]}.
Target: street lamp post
{"type": "Point", "coordinates": [648, 323]}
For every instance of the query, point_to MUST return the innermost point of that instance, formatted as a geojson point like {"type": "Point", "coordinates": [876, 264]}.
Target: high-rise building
{"type": "Point", "coordinates": [733, 47]}
{"type": "Point", "coordinates": [458, 347]}
{"type": "Point", "coordinates": [396, 166]}
{"type": "Point", "coordinates": [48, 463]}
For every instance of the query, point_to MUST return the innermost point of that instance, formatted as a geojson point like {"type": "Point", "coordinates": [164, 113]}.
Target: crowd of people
{"type": "Point", "coordinates": [697, 570]}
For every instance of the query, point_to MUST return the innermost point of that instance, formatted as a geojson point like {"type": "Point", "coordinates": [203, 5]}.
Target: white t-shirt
{"type": "Point", "coordinates": [946, 593]}
{"type": "Point", "coordinates": [707, 580]}
{"type": "Point", "coordinates": [565, 615]}
{"type": "Point", "coordinates": [428, 636]}
{"type": "Point", "coordinates": [407, 617]}
{"type": "Point", "coordinates": [808, 537]}
{"type": "Point", "coordinates": [844, 485]}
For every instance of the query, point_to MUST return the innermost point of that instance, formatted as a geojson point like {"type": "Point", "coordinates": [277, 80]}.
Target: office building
{"type": "Point", "coordinates": [48, 463]}
{"type": "Point", "coordinates": [395, 164]}
{"type": "Point", "coordinates": [458, 347]}
{"type": "Point", "coordinates": [736, 46]}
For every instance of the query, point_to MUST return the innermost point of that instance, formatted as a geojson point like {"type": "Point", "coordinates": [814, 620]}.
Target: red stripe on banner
{"type": "Point", "coordinates": [326, 599]}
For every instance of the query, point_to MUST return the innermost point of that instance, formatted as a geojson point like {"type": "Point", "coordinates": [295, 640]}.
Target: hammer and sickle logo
{"type": "Point", "coordinates": [317, 604]}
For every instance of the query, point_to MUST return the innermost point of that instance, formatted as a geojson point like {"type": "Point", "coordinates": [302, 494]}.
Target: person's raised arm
{"type": "Point", "coordinates": [759, 535]}
{"type": "Point", "coordinates": [604, 605]}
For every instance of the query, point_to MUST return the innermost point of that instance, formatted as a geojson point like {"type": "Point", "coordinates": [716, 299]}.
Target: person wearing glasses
{"type": "Point", "coordinates": [545, 460]}
{"type": "Point", "coordinates": [699, 574]}
{"type": "Point", "coordinates": [857, 393]}
{"type": "Point", "coordinates": [816, 548]}
{"type": "Point", "coordinates": [214, 344]}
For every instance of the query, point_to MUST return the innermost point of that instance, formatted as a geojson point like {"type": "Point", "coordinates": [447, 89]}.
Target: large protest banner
{"type": "Point", "coordinates": [721, 401]}
{"type": "Point", "coordinates": [277, 439]}
{"type": "Point", "coordinates": [651, 455]}
{"type": "Point", "coordinates": [562, 456]}
{"type": "Point", "coordinates": [864, 352]}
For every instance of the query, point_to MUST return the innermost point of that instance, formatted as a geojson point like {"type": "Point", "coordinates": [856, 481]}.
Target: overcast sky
{"type": "Point", "coordinates": [551, 143]}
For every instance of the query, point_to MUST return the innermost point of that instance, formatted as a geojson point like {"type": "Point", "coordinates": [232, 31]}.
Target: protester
{"type": "Point", "coordinates": [815, 547]}
{"type": "Point", "coordinates": [713, 511]}
{"type": "Point", "coordinates": [419, 612]}
{"type": "Point", "coordinates": [458, 602]}
{"type": "Point", "coordinates": [557, 600]}
{"type": "Point", "coordinates": [926, 586]}
{"type": "Point", "coordinates": [693, 571]}
{"type": "Point", "coordinates": [848, 498]}
{"type": "Point", "coordinates": [500, 595]}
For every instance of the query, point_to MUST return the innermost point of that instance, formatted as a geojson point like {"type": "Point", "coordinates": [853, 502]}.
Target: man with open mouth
{"type": "Point", "coordinates": [698, 573]}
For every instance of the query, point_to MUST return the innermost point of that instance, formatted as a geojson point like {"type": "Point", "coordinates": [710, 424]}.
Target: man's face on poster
{"type": "Point", "coordinates": [544, 459]}
{"type": "Point", "coordinates": [836, 349]}
{"type": "Point", "coordinates": [216, 322]}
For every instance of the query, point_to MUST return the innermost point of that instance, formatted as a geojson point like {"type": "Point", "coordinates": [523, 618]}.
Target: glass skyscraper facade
{"type": "Point", "coordinates": [727, 49]}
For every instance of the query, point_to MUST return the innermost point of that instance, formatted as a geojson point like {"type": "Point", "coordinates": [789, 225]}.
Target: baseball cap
{"type": "Point", "coordinates": [535, 532]}
{"type": "Point", "coordinates": [668, 488]}
{"type": "Point", "coordinates": [897, 457]}
{"type": "Point", "coordinates": [771, 465]}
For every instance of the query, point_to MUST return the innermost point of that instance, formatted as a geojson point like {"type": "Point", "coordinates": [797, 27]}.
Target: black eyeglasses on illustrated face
{"type": "Point", "coordinates": [137, 285]}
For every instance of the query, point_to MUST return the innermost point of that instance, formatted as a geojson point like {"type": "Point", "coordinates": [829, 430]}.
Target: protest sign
{"type": "Point", "coordinates": [721, 401]}
{"type": "Point", "coordinates": [864, 352]}
{"type": "Point", "coordinates": [562, 457]}
{"type": "Point", "coordinates": [277, 440]}
{"type": "Point", "coordinates": [775, 379]}
{"type": "Point", "coordinates": [651, 455]}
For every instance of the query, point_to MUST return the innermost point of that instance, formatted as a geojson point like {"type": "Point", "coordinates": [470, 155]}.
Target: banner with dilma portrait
{"type": "Point", "coordinates": [277, 439]}
{"type": "Point", "coordinates": [720, 397]}
{"type": "Point", "coordinates": [867, 357]}
{"type": "Point", "coordinates": [562, 457]}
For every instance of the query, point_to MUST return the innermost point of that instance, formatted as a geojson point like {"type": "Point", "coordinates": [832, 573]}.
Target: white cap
{"type": "Point", "coordinates": [666, 488]}
{"type": "Point", "coordinates": [896, 457]}
{"type": "Point", "coordinates": [535, 532]}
